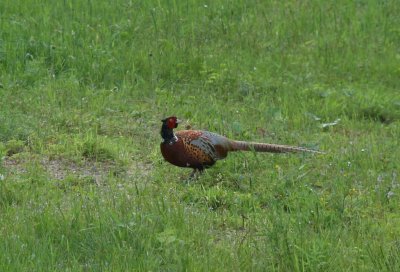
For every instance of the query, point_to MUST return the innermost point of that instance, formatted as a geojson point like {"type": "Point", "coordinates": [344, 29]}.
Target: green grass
{"type": "Point", "coordinates": [84, 85]}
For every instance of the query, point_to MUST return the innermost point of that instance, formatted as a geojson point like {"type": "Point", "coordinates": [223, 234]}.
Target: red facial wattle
{"type": "Point", "coordinates": [172, 123]}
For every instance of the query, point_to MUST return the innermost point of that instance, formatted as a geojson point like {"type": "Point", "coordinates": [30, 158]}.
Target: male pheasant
{"type": "Point", "coordinates": [199, 149]}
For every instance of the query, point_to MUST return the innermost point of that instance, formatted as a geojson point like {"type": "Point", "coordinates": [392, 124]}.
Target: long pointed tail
{"type": "Point", "coordinates": [273, 148]}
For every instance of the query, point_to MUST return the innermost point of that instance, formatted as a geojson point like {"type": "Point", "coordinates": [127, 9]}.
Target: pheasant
{"type": "Point", "coordinates": [199, 149]}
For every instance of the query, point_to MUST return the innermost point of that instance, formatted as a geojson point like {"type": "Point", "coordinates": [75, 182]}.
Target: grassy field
{"type": "Point", "coordinates": [84, 85]}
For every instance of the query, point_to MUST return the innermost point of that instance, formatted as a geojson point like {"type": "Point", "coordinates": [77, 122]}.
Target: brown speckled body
{"type": "Point", "coordinates": [194, 149]}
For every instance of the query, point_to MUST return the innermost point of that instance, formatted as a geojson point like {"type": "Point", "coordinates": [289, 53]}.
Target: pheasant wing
{"type": "Point", "coordinates": [206, 147]}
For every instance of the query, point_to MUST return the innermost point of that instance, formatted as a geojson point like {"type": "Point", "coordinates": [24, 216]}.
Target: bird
{"type": "Point", "coordinates": [200, 149]}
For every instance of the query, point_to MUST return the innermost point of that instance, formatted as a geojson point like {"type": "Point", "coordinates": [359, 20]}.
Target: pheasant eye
{"type": "Point", "coordinates": [171, 123]}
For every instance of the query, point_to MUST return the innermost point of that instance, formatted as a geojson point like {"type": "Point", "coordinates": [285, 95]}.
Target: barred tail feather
{"type": "Point", "coordinates": [273, 148]}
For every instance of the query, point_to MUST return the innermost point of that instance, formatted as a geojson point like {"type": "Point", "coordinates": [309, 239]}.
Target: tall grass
{"type": "Point", "coordinates": [83, 85]}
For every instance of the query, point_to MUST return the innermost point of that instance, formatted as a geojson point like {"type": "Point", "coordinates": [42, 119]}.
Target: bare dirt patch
{"type": "Point", "coordinates": [61, 168]}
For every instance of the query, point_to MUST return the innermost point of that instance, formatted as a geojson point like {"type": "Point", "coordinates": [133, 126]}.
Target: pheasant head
{"type": "Point", "coordinates": [167, 127]}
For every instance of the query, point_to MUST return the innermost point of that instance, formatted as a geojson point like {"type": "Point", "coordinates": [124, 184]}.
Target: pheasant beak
{"type": "Point", "coordinates": [178, 121]}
